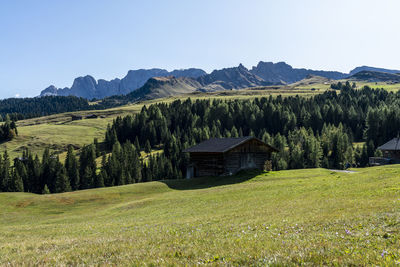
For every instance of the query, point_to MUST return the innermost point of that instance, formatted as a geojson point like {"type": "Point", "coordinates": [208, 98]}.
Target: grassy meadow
{"type": "Point", "coordinates": [296, 217]}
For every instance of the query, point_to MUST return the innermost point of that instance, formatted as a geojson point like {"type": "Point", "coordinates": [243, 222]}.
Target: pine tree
{"type": "Point", "coordinates": [137, 145]}
{"type": "Point", "coordinates": [103, 171]}
{"type": "Point", "coordinates": [99, 180]}
{"type": "Point", "coordinates": [97, 147]}
{"type": "Point", "coordinates": [147, 147]}
{"type": "Point", "coordinates": [62, 181]}
{"type": "Point", "coordinates": [45, 190]}
{"type": "Point", "coordinates": [16, 184]}
{"type": "Point", "coordinates": [71, 166]}
{"type": "Point", "coordinates": [37, 176]}
{"type": "Point", "coordinates": [20, 170]}
{"type": "Point", "coordinates": [87, 178]}
{"type": "Point", "coordinates": [234, 132]}
{"type": "Point", "coordinates": [6, 172]}
{"type": "Point", "coordinates": [87, 164]}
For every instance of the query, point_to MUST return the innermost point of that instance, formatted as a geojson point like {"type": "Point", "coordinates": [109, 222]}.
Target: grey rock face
{"type": "Point", "coordinates": [84, 87]}
{"type": "Point", "coordinates": [230, 78]}
{"type": "Point", "coordinates": [51, 90]}
{"type": "Point", "coordinates": [282, 72]}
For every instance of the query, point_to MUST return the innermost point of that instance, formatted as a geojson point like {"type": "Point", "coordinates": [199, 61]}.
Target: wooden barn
{"type": "Point", "coordinates": [76, 117]}
{"type": "Point", "coordinates": [219, 156]}
{"type": "Point", "coordinates": [92, 116]}
{"type": "Point", "coordinates": [390, 153]}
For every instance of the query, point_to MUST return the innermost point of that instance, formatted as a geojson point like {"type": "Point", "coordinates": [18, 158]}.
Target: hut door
{"type": "Point", "coordinates": [247, 161]}
{"type": "Point", "coordinates": [190, 172]}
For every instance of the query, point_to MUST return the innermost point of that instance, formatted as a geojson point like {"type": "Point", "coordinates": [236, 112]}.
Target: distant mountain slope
{"type": "Point", "coordinates": [159, 87]}
{"type": "Point", "coordinates": [367, 68]}
{"type": "Point", "coordinates": [312, 79]}
{"type": "Point", "coordinates": [230, 78]}
{"type": "Point", "coordinates": [282, 72]}
{"type": "Point", "coordinates": [375, 76]}
{"type": "Point", "coordinates": [89, 88]}
{"type": "Point", "coordinates": [225, 79]}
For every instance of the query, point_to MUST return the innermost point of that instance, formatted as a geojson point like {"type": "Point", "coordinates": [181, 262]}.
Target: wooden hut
{"type": "Point", "coordinates": [92, 116]}
{"type": "Point", "coordinates": [219, 156]}
{"type": "Point", "coordinates": [390, 153]}
{"type": "Point", "coordinates": [76, 117]}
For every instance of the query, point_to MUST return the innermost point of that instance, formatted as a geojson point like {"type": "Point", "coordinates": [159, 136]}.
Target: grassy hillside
{"type": "Point", "coordinates": [312, 216]}
{"type": "Point", "coordinates": [58, 131]}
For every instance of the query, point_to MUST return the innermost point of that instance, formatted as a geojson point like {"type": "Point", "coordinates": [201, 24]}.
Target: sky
{"type": "Point", "coordinates": [47, 42]}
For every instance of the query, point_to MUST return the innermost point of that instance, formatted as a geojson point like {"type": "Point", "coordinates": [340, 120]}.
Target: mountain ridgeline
{"type": "Point", "coordinates": [87, 87]}
{"type": "Point", "coordinates": [189, 80]}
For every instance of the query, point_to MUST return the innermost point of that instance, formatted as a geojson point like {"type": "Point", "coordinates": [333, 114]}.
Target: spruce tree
{"type": "Point", "coordinates": [71, 166]}
{"type": "Point", "coordinates": [87, 178]}
{"type": "Point", "coordinates": [137, 145]}
{"type": "Point", "coordinates": [62, 181]}
{"type": "Point", "coordinates": [147, 147]}
{"type": "Point", "coordinates": [16, 184]}
{"type": "Point", "coordinates": [45, 190]}
{"type": "Point", "coordinates": [99, 181]}
{"type": "Point", "coordinates": [6, 172]}
{"type": "Point", "coordinates": [20, 170]}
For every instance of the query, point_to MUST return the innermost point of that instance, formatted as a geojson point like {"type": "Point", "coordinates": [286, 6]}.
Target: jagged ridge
{"type": "Point", "coordinates": [265, 73]}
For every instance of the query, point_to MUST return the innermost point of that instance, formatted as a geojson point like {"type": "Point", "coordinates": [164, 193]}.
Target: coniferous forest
{"type": "Point", "coordinates": [25, 108]}
{"type": "Point", "coordinates": [319, 131]}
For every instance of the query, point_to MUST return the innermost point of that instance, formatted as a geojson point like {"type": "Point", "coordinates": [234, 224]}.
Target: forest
{"type": "Point", "coordinates": [8, 130]}
{"type": "Point", "coordinates": [25, 108]}
{"type": "Point", "coordinates": [337, 129]}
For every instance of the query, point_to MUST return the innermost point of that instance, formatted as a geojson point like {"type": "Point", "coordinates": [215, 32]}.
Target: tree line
{"type": "Point", "coordinates": [25, 108]}
{"type": "Point", "coordinates": [309, 132]}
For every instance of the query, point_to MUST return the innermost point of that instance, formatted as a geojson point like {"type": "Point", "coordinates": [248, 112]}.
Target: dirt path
{"type": "Point", "coordinates": [345, 171]}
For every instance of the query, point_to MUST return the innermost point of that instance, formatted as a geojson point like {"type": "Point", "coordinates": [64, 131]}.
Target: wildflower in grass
{"type": "Point", "coordinates": [384, 253]}
{"type": "Point", "coordinates": [347, 232]}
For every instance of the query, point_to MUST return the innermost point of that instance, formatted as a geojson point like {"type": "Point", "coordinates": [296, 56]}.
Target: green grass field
{"type": "Point", "coordinates": [297, 217]}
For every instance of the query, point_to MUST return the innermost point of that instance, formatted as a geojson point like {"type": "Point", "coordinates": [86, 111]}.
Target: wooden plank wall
{"type": "Point", "coordinates": [207, 164]}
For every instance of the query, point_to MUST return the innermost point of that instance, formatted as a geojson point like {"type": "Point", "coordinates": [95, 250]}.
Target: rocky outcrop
{"type": "Point", "coordinates": [282, 72]}
{"type": "Point", "coordinates": [230, 78]}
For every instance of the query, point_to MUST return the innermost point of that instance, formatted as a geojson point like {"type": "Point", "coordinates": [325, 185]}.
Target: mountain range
{"type": "Point", "coordinates": [88, 87]}
{"type": "Point", "coordinates": [193, 79]}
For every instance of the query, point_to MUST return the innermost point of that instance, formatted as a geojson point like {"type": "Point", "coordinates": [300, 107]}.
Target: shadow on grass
{"type": "Point", "coordinates": [211, 181]}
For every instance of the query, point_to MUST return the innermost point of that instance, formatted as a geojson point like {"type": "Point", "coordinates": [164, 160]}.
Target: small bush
{"type": "Point", "coordinates": [268, 166]}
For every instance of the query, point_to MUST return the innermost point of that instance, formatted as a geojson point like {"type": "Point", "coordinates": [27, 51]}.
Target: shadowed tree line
{"type": "Point", "coordinates": [25, 108]}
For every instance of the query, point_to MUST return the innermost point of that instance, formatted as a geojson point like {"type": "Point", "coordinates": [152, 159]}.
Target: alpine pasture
{"type": "Point", "coordinates": [296, 217]}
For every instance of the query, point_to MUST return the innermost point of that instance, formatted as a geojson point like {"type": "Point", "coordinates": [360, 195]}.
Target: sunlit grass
{"type": "Point", "coordinates": [313, 216]}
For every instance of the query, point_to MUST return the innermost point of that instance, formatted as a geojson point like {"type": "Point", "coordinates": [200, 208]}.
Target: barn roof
{"type": "Point", "coordinates": [393, 144]}
{"type": "Point", "coordinates": [221, 145]}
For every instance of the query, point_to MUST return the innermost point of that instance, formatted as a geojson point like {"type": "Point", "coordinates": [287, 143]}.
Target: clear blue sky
{"type": "Point", "coordinates": [51, 42]}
